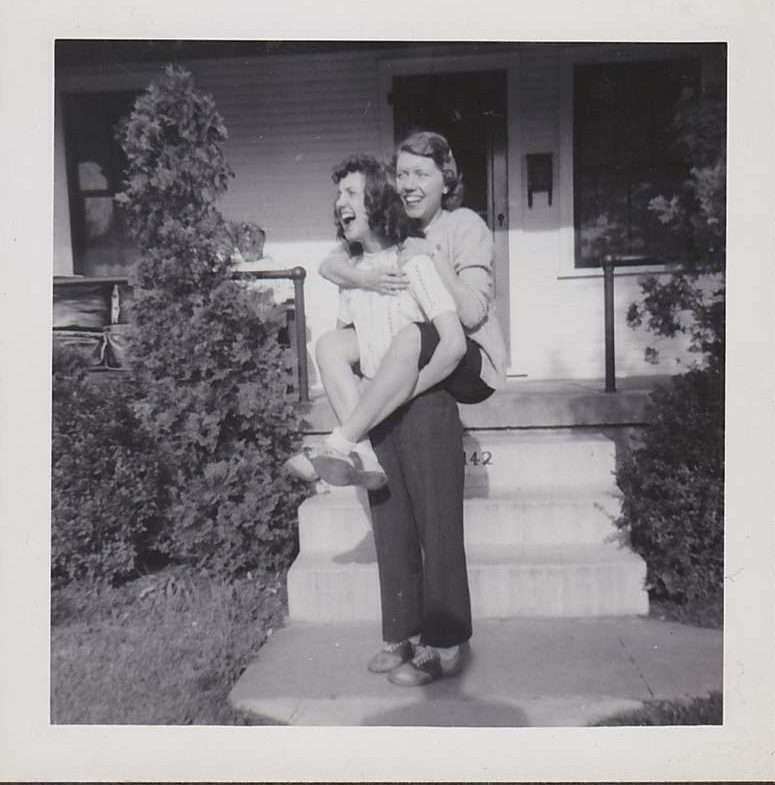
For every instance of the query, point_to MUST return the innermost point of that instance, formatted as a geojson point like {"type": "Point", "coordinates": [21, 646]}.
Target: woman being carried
{"type": "Point", "coordinates": [371, 220]}
{"type": "Point", "coordinates": [461, 248]}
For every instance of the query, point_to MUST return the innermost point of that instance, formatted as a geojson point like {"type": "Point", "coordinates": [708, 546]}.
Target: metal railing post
{"type": "Point", "coordinates": [298, 274]}
{"type": "Point", "coordinates": [608, 311]}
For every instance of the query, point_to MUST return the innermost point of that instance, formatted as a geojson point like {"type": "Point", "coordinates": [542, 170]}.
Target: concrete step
{"type": "Point", "coordinates": [522, 672]}
{"type": "Point", "coordinates": [521, 460]}
{"type": "Point", "coordinates": [513, 460]}
{"type": "Point", "coordinates": [530, 403]}
{"type": "Point", "coordinates": [339, 522]}
{"type": "Point", "coordinates": [505, 581]}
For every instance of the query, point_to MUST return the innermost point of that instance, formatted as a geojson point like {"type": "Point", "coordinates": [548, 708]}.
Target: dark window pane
{"type": "Point", "coordinates": [95, 167]}
{"type": "Point", "coordinates": [625, 155]}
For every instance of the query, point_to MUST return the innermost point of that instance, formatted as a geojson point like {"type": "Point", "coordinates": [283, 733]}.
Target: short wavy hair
{"type": "Point", "coordinates": [385, 210]}
{"type": "Point", "coordinates": [435, 146]}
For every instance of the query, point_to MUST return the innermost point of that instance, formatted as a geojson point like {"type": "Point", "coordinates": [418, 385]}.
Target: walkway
{"type": "Point", "coordinates": [523, 672]}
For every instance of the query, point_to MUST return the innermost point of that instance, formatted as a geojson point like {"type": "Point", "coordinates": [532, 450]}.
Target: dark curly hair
{"type": "Point", "coordinates": [387, 217]}
{"type": "Point", "coordinates": [436, 147]}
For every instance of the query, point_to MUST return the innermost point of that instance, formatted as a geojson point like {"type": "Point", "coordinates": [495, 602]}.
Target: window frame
{"type": "Point", "coordinates": [572, 56]}
{"type": "Point", "coordinates": [75, 194]}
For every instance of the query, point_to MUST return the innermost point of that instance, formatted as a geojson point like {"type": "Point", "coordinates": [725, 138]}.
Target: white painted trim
{"type": "Point", "coordinates": [391, 65]}
{"type": "Point", "coordinates": [62, 240]}
{"type": "Point", "coordinates": [574, 55]}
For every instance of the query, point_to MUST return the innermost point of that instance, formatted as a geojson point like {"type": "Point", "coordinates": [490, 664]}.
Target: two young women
{"type": "Point", "coordinates": [426, 336]}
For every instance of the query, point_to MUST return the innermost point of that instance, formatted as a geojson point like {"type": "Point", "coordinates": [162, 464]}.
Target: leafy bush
{"type": "Point", "coordinates": [692, 300]}
{"type": "Point", "coordinates": [106, 478]}
{"type": "Point", "coordinates": [217, 384]}
{"type": "Point", "coordinates": [673, 481]}
{"type": "Point", "coordinates": [673, 486]}
{"type": "Point", "coordinates": [248, 238]}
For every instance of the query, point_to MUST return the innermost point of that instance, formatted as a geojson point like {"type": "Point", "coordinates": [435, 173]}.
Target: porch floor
{"type": "Point", "coordinates": [527, 403]}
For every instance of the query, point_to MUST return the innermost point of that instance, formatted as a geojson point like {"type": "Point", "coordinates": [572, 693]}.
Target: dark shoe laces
{"type": "Point", "coordinates": [423, 655]}
{"type": "Point", "coordinates": [393, 647]}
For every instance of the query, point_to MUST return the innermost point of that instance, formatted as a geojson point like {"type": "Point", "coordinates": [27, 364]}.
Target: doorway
{"type": "Point", "coordinates": [469, 109]}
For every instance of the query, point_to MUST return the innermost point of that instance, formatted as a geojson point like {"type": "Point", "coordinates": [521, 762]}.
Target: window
{"type": "Point", "coordinates": [624, 156]}
{"type": "Point", "coordinates": [95, 166]}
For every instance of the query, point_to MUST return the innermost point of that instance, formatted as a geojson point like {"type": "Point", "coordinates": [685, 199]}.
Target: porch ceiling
{"type": "Point", "coordinates": [79, 52]}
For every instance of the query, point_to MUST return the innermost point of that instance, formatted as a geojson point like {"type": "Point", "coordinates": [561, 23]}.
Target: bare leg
{"type": "Point", "coordinates": [361, 407]}
{"type": "Point", "coordinates": [393, 385]}
{"type": "Point", "coordinates": [336, 353]}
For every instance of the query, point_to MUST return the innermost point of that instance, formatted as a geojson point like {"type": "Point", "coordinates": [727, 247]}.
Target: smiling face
{"type": "Point", "coordinates": [421, 185]}
{"type": "Point", "coordinates": [351, 210]}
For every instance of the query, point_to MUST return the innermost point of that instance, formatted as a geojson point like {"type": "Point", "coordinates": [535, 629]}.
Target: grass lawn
{"type": "Point", "coordinates": [164, 649]}
{"type": "Point", "coordinates": [697, 711]}
{"type": "Point", "coordinates": [167, 648]}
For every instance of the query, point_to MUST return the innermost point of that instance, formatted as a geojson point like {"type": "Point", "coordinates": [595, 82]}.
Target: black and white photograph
{"type": "Point", "coordinates": [388, 384]}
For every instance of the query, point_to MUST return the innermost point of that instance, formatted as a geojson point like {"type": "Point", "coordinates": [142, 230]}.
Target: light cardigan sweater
{"type": "Point", "coordinates": [378, 318]}
{"type": "Point", "coordinates": [464, 241]}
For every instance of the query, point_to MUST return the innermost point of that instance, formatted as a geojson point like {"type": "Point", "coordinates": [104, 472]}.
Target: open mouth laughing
{"type": "Point", "coordinates": [347, 219]}
{"type": "Point", "coordinates": [412, 201]}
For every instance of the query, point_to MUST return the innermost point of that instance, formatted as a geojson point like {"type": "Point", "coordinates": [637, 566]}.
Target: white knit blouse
{"type": "Point", "coordinates": [378, 318]}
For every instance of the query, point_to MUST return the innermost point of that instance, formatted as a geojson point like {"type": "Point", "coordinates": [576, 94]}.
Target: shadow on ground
{"type": "Point", "coordinates": [446, 704]}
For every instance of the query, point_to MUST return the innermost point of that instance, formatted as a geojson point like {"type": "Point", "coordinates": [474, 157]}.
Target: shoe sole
{"type": "Point", "coordinates": [302, 468]}
{"type": "Point", "coordinates": [417, 681]}
{"type": "Point", "coordinates": [335, 471]}
{"type": "Point", "coordinates": [386, 669]}
{"type": "Point", "coordinates": [372, 481]}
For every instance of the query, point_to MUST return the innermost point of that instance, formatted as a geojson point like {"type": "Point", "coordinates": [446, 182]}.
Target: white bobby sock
{"type": "Point", "coordinates": [336, 440]}
{"type": "Point", "coordinates": [448, 653]}
{"type": "Point", "coordinates": [364, 448]}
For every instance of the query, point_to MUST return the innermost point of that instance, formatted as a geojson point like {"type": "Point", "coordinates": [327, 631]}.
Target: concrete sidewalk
{"type": "Point", "coordinates": [523, 672]}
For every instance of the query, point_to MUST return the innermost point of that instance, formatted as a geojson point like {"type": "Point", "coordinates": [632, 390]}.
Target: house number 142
{"type": "Point", "coordinates": [476, 458]}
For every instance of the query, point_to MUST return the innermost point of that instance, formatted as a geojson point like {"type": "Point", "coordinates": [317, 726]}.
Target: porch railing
{"type": "Point", "coordinates": [609, 263]}
{"type": "Point", "coordinates": [297, 274]}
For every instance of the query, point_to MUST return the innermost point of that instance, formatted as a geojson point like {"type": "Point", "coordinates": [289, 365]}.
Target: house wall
{"type": "Point", "coordinates": [291, 118]}
{"type": "Point", "coordinates": [557, 328]}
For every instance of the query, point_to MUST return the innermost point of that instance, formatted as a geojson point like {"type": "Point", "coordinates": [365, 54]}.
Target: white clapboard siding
{"type": "Point", "coordinates": [290, 121]}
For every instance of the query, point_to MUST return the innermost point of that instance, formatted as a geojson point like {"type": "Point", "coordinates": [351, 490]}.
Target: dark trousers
{"type": "Point", "coordinates": [418, 523]}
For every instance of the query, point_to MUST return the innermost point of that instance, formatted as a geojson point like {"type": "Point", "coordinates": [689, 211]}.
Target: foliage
{"type": "Point", "coordinates": [706, 710]}
{"type": "Point", "coordinates": [673, 489]}
{"type": "Point", "coordinates": [248, 238]}
{"type": "Point", "coordinates": [692, 299]}
{"type": "Point", "coordinates": [107, 483]}
{"type": "Point", "coordinates": [217, 384]}
{"type": "Point", "coordinates": [163, 649]}
{"type": "Point", "coordinates": [708, 612]}
{"type": "Point", "coordinates": [176, 171]}
{"type": "Point", "coordinates": [673, 481]}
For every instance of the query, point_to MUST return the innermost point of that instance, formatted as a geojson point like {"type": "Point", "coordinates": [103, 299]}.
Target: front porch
{"type": "Point", "coordinates": [526, 403]}
{"type": "Point", "coordinates": [558, 600]}
{"type": "Point", "coordinates": [541, 501]}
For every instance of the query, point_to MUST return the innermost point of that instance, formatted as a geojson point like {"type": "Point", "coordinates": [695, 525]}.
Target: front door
{"type": "Point", "coordinates": [468, 108]}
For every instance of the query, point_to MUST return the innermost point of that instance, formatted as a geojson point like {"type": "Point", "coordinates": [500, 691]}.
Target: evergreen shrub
{"type": "Point", "coordinates": [673, 490]}
{"type": "Point", "coordinates": [218, 385]}
{"type": "Point", "coordinates": [107, 481]}
{"type": "Point", "coordinates": [673, 479]}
